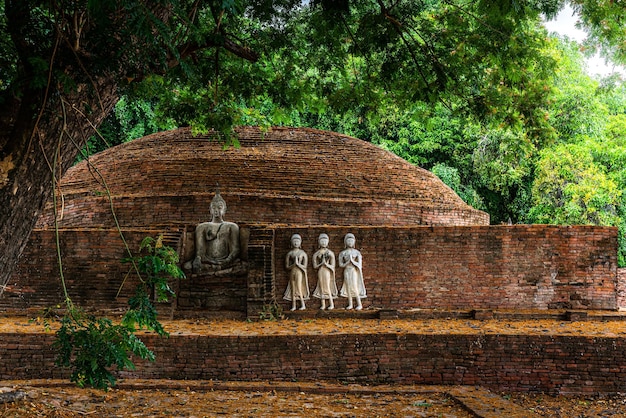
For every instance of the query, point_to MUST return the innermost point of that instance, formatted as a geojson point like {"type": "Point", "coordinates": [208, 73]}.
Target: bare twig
{"type": "Point", "coordinates": [100, 179]}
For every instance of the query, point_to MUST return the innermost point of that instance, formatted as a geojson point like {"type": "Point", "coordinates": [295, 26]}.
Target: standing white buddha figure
{"type": "Point", "coordinates": [351, 261]}
{"type": "Point", "coordinates": [324, 263]}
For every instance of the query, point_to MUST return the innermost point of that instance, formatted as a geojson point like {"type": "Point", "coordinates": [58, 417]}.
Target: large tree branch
{"type": "Point", "coordinates": [189, 48]}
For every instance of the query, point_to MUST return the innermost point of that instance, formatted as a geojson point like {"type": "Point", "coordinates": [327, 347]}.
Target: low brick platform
{"type": "Point", "coordinates": [545, 355]}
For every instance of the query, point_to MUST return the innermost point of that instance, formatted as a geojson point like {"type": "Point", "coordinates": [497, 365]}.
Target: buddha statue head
{"type": "Point", "coordinates": [217, 207]}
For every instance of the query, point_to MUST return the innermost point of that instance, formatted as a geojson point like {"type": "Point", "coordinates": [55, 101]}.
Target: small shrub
{"type": "Point", "coordinates": [157, 264]}
{"type": "Point", "coordinates": [271, 312]}
{"type": "Point", "coordinates": [90, 346]}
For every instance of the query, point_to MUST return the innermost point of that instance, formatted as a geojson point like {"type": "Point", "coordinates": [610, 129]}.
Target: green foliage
{"type": "Point", "coordinates": [8, 55]}
{"type": "Point", "coordinates": [137, 118]}
{"type": "Point", "coordinates": [503, 158]}
{"type": "Point", "coordinates": [158, 263]}
{"type": "Point", "coordinates": [579, 106]}
{"type": "Point", "coordinates": [90, 346]}
{"type": "Point", "coordinates": [271, 312]}
{"type": "Point", "coordinates": [578, 112]}
{"type": "Point", "coordinates": [361, 60]}
{"type": "Point", "coordinates": [425, 136]}
{"type": "Point", "coordinates": [604, 22]}
{"type": "Point", "coordinates": [450, 176]}
{"type": "Point", "coordinates": [570, 188]}
{"type": "Point", "coordinates": [502, 166]}
{"type": "Point", "coordinates": [132, 119]}
{"type": "Point", "coordinates": [613, 93]}
{"type": "Point", "coordinates": [142, 313]}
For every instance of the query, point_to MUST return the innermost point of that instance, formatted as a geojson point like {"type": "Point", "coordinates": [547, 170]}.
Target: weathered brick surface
{"type": "Point", "coordinates": [32, 355]}
{"type": "Point", "coordinates": [309, 178]}
{"type": "Point", "coordinates": [92, 269]}
{"type": "Point", "coordinates": [536, 363]}
{"type": "Point", "coordinates": [496, 267]}
{"type": "Point", "coordinates": [554, 364]}
{"type": "Point", "coordinates": [97, 279]}
{"type": "Point", "coordinates": [506, 267]}
{"type": "Point", "coordinates": [287, 176]}
{"type": "Point", "coordinates": [621, 288]}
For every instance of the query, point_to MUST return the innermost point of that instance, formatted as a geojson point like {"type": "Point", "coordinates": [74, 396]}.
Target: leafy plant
{"type": "Point", "coordinates": [450, 176]}
{"type": "Point", "coordinates": [571, 188]}
{"type": "Point", "coordinates": [46, 315]}
{"type": "Point", "coordinates": [157, 263]}
{"type": "Point", "coordinates": [271, 312]}
{"type": "Point", "coordinates": [90, 346]}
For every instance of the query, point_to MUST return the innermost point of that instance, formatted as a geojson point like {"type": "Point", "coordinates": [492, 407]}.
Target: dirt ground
{"type": "Point", "coordinates": [322, 326]}
{"type": "Point", "coordinates": [72, 402]}
{"type": "Point", "coordinates": [132, 401]}
{"type": "Point", "coordinates": [551, 406]}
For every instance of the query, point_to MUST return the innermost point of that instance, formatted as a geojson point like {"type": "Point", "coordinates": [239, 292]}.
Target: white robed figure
{"type": "Point", "coordinates": [298, 286]}
{"type": "Point", "coordinates": [324, 263]}
{"type": "Point", "coordinates": [353, 286]}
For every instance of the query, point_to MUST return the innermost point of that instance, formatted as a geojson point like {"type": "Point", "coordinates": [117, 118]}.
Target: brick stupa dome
{"type": "Point", "coordinates": [284, 176]}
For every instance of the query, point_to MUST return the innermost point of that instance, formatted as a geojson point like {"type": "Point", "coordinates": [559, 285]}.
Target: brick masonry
{"type": "Point", "coordinates": [499, 267]}
{"type": "Point", "coordinates": [308, 178]}
{"type": "Point", "coordinates": [285, 176]}
{"type": "Point", "coordinates": [554, 364]}
{"type": "Point", "coordinates": [330, 183]}
{"type": "Point", "coordinates": [621, 288]}
{"type": "Point", "coordinates": [92, 269]}
{"type": "Point", "coordinates": [473, 267]}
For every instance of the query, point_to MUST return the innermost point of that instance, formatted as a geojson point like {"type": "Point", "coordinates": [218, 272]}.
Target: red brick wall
{"type": "Point", "coordinates": [92, 269]}
{"type": "Point", "coordinates": [536, 363]}
{"type": "Point", "coordinates": [553, 364]}
{"type": "Point", "coordinates": [135, 212]}
{"type": "Point", "coordinates": [285, 176]}
{"type": "Point", "coordinates": [504, 267]}
{"type": "Point", "coordinates": [32, 355]}
{"type": "Point", "coordinates": [94, 273]}
{"type": "Point", "coordinates": [496, 267]}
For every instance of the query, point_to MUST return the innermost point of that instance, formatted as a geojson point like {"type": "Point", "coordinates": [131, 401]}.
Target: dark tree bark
{"type": "Point", "coordinates": [37, 152]}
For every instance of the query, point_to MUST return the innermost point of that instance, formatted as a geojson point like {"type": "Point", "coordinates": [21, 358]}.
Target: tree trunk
{"type": "Point", "coordinates": [33, 149]}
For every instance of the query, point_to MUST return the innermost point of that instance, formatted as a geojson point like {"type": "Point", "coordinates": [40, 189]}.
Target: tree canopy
{"type": "Point", "coordinates": [360, 65]}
